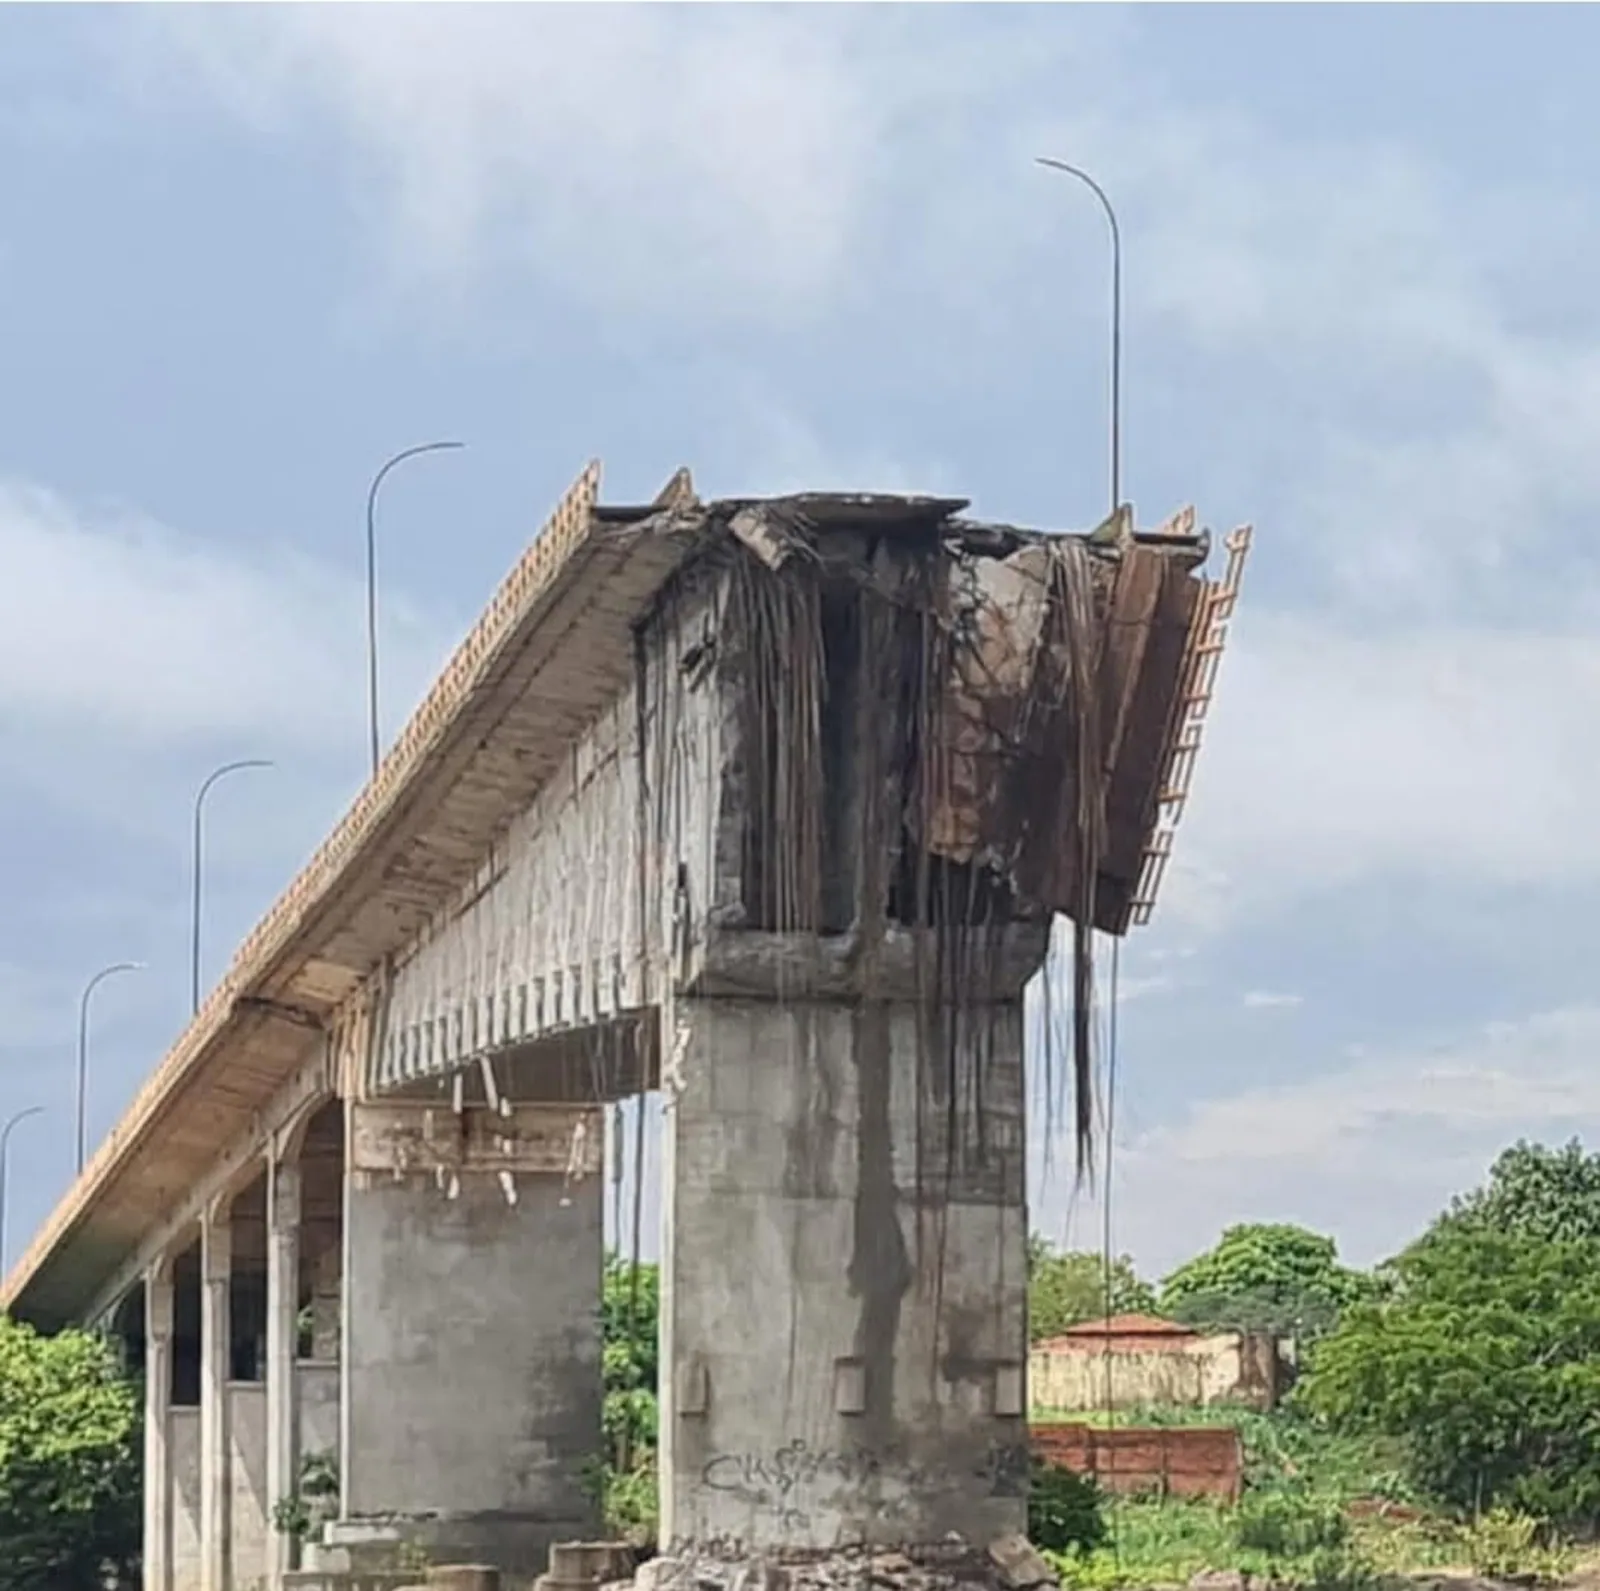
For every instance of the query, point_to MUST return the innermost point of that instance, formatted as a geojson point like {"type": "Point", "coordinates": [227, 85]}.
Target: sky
{"type": "Point", "coordinates": [246, 253]}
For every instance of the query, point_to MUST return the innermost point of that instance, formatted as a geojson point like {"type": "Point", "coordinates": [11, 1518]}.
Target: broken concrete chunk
{"type": "Point", "coordinates": [1022, 1564]}
{"type": "Point", "coordinates": [760, 1575]}
{"type": "Point", "coordinates": [653, 1573]}
{"type": "Point", "coordinates": [765, 535]}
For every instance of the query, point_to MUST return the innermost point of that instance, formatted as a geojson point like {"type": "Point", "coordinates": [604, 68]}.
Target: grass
{"type": "Point", "coordinates": [1294, 1526]}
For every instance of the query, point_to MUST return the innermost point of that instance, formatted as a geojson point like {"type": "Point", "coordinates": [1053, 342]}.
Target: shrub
{"type": "Point", "coordinates": [1504, 1544]}
{"type": "Point", "coordinates": [1284, 1525]}
{"type": "Point", "coordinates": [1064, 1513]}
{"type": "Point", "coordinates": [314, 1500]}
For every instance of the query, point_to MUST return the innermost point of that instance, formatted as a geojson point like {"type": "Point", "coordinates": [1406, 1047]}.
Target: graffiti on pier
{"type": "Point", "coordinates": [796, 1482]}
{"type": "Point", "coordinates": [1005, 1468]}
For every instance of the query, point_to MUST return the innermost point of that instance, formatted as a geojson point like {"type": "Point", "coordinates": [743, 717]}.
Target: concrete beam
{"type": "Point", "coordinates": [311, 1086]}
{"type": "Point", "coordinates": [903, 965]}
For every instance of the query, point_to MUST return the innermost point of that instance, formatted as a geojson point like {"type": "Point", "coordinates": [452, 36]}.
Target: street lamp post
{"type": "Point", "coordinates": [1116, 318]}
{"type": "Point", "coordinates": [83, 1045]}
{"type": "Point", "coordinates": [1084, 932]}
{"type": "Point", "coordinates": [372, 579]}
{"type": "Point", "coordinates": [194, 916]}
{"type": "Point", "coordinates": [5, 1164]}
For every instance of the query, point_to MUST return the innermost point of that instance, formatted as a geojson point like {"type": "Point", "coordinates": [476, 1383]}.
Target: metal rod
{"type": "Point", "coordinates": [1116, 318]}
{"type": "Point", "coordinates": [5, 1168]}
{"type": "Point", "coordinates": [194, 914]}
{"type": "Point", "coordinates": [83, 1044]}
{"type": "Point", "coordinates": [372, 580]}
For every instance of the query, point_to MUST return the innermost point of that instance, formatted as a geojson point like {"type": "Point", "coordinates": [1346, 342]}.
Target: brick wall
{"type": "Point", "coordinates": [1176, 1461]}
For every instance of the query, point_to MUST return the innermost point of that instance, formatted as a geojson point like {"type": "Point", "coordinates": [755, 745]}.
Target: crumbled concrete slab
{"type": "Point", "coordinates": [1022, 1564]}
{"type": "Point", "coordinates": [949, 1566]}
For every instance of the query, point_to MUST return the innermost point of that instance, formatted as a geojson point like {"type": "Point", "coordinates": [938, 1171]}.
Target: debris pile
{"type": "Point", "coordinates": [1011, 1564]}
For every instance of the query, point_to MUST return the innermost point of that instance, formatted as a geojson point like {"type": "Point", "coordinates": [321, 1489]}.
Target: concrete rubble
{"type": "Point", "coordinates": [1011, 1564]}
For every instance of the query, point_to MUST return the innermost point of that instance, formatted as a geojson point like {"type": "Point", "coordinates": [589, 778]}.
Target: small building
{"type": "Point", "coordinates": [1122, 1334]}
{"type": "Point", "coordinates": [1141, 1361]}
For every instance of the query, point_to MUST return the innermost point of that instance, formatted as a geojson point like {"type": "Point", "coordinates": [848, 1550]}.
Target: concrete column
{"type": "Point", "coordinates": [471, 1359]}
{"type": "Point", "coordinates": [157, 1550]}
{"type": "Point", "coordinates": [283, 1301]}
{"type": "Point", "coordinates": [843, 1275]}
{"type": "Point", "coordinates": [216, 1321]}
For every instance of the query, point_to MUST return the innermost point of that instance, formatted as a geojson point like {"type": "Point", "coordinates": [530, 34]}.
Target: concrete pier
{"type": "Point", "coordinates": [471, 1384]}
{"type": "Point", "coordinates": [843, 1300]}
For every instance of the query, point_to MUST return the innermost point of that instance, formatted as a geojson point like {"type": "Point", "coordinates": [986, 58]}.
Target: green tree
{"type": "Point", "coordinates": [629, 1311]}
{"type": "Point", "coordinates": [1065, 1288]}
{"type": "Point", "coordinates": [1538, 1192]}
{"type": "Point", "coordinates": [69, 1465]}
{"type": "Point", "coordinates": [1265, 1277]}
{"type": "Point", "coordinates": [1485, 1362]}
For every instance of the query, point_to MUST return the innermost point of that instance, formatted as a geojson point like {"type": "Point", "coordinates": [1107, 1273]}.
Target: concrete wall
{"type": "Point", "coordinates": [184, 1456]}
{"type": "Point", "coordinates": [472, 1370]}
{"type": "Point", "coordinates": [840, 1374]}
{"type": "Point", "coordinates": [317, 1412]}
{"type": "Point", "coordinates": [249, 1508]}
{"type": "Point", "coordinates": [1227, 1368]}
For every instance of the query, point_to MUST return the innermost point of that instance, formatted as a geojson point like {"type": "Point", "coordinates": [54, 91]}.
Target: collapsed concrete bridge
{"type": "Point", "coordinates": [768, 805]}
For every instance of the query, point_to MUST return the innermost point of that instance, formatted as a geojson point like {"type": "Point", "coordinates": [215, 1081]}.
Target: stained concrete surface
{"type": "Point", "coordinates": [846, 1351]}
{"type": "Point", "coordinates": [472, 1380]}
{"type": "Point", "coordinates": [184, 1457]}
{"type": "Point", "coordinates": [249, 1508]}
{"type": "Point", "coordinates": [317, 1415]}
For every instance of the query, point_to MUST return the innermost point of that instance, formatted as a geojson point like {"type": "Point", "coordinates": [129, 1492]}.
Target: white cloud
{"type": "Point", "coordinates": [116, 626]}
{"type": "Point", "coordinates": [1442, 753]}
{"type": "Point", "coordinates": [635, 152]}
{"type": "Point", "coordinates": [1369, 1151]}
{"type": "Point", "coordinates": [31, 1013]}
{"type": "Point", "coordinates": [1347, 298]}
{"type": "Point", "coordinates": [1266, 1000]}
{"type": "Point", "coordinates": [759, 160]}
{"type": "Point", "coordinates": [1351, 297]}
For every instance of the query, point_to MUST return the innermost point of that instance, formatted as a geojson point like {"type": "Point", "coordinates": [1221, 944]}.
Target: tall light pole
{"type": "Point", "coordinates": [1116, 319]}
{"type": "Point", "coordinates": [372, 579]}
{"type": "Point", "coordinates": [1084, 932]}
{"type": "Point", "coordinates": [194, 915]}
{"type": "Point", "coordinates": [83, 1044]}
{"type": "Point", "coordinates": [5, 1145]}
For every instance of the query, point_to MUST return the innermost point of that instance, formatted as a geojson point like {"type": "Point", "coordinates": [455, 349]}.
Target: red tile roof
{"type": "Point", "coordinates": [1091, 1331]}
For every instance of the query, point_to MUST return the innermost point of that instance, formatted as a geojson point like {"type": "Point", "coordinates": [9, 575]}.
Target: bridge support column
{"type": "Point", "coordinates": [216, 1329]}
{"type": "Point", "coordinates": [283, 1302]}
{"type": "Point", "coordinates": [156, 1554]}
{"type": "Point", "coordinates": [471, 1368]}
{"type": "Point", "coordinates": [843, 1274]}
